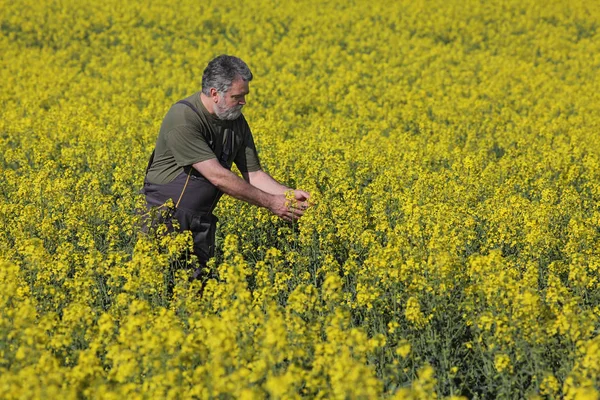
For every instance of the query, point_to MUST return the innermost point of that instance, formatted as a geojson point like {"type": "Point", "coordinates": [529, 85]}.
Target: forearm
{"type": "Point", "coordinates": [233, 185]}
{"type": "Point", "coordinates": [265, 182]}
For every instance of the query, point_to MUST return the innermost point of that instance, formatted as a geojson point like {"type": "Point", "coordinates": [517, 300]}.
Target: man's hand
{"type": "Point", "coordinates": [284, 209]}
{"type": "Point", "coordinates": [296, 202]}
{"type": "Point", "coordinates": [302, 196]}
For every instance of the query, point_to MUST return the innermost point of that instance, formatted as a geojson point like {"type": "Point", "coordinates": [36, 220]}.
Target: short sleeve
{"type": "Point", "coordinates": [247, 158]}
{"type": "Point", "coordinates": [188, 145]}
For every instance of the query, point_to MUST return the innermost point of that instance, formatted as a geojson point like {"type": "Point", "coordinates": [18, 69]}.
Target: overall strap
{"type": "Point", "coordinates": [150, 161]}
{"type": "Point", "coordinates": [226, 138]}
{"type": "Point", "coordinates": [190, 105]}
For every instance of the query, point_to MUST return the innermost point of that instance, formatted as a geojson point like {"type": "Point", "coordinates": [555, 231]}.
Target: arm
{"type": "Point", "coordinates": [260, 179]}
{"type": "Point", "coordinates": [233, 185]}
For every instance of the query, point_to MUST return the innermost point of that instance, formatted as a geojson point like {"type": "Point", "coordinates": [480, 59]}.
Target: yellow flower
{"type": "Point", "coordinates": [403, 349]}
{"type": "Point", "coordinates": [501, 362]}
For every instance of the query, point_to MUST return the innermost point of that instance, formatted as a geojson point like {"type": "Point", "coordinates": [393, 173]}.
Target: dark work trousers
{"type": "Point", "coordinates": [194, 212]}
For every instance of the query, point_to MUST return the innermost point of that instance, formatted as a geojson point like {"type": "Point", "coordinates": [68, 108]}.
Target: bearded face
{"type": "Point", "coordinates": [226, 112]}
{"type": "Point", "coordinates": [228, 105]}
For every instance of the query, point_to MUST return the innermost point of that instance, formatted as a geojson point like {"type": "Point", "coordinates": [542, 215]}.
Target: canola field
{"type": "Point", "coordinates": [451, 149]}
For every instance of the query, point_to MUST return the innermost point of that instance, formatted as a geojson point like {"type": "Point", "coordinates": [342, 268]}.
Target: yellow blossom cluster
{"type": "Point", "coordinates": [452, 246]}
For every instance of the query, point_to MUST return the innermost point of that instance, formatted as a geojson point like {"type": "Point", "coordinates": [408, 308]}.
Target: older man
{"type": "Point", "coordinates": [199, 140]}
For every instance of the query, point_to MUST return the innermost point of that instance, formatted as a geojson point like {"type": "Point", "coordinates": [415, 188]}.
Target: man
{"type": "Point", "coordinates": [199, 140]}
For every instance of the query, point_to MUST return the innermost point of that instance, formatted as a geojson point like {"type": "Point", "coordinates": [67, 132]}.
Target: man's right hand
{"type": "Point", "coordinates": [282, 207]}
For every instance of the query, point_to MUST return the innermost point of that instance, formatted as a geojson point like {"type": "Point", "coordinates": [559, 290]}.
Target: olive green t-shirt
{"type": "Point", "coordinates": [186, 138]}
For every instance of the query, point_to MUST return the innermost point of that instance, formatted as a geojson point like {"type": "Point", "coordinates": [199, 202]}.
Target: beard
{"type": "Point", "coordinates": [228, 114]}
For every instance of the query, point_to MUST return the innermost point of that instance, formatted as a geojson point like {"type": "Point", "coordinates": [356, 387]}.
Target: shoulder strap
{"type": "Point", "coordinates": [190, 105]}
{"type": "Point", "coordinates": [150, 161]}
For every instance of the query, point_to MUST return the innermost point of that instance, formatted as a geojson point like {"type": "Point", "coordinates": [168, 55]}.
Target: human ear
{"type": "Point", "coordinates": [214, 94]}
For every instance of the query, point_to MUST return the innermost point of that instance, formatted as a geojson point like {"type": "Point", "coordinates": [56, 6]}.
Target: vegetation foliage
{"type": "Point", "coordinates": [451, 151]}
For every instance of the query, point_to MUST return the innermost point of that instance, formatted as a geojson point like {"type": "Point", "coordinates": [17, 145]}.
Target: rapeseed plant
{"type": "Point", "coordinates": [451, 247]}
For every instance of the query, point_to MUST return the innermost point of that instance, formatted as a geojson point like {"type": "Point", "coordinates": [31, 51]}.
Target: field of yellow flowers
{"type": "Point", "coordinates": [451, 149]}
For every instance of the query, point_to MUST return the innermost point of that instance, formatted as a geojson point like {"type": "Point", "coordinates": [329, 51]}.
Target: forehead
{"type": "Point", "coordinates": [238, 86]}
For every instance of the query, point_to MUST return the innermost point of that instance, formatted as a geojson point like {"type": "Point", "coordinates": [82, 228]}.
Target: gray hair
{"type": "Point", "coordinates": [222, 71]}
